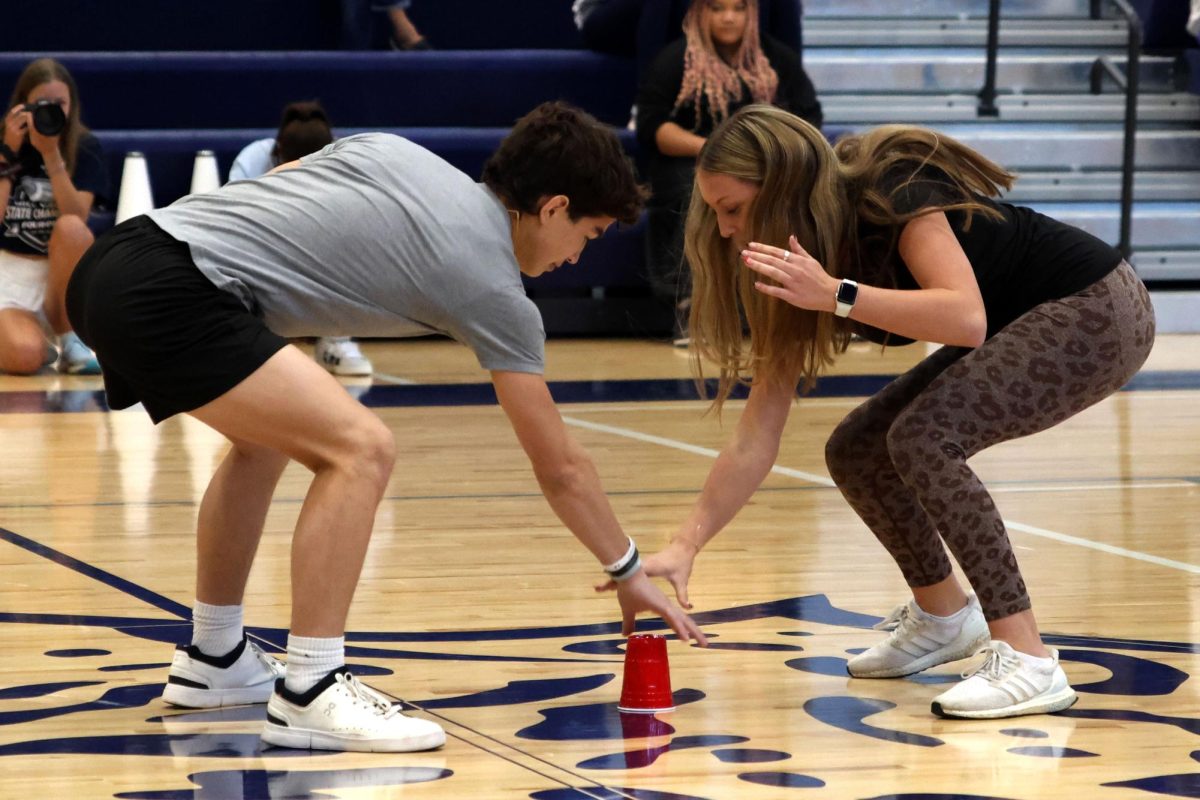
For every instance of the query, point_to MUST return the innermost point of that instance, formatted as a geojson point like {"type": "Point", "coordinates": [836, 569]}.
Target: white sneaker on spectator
{"type": "Point", "coordinates": [340, 713]}
{"type": "Point", "coordinates": [1008, 684]}
{"type": "Point", "coordinates": [920, 640]}
{"type": "Point", "coordinates": [342, 356]}
{"type": "Point", "coordinates": [243, 675]}
{"type": "Point", "coordinates": [75, 357]}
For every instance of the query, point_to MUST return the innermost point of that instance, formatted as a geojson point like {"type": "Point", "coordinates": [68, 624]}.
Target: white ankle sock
{"type": "Point", "coordinates": [216, 629]}
{"type": "Point", "coordinates": [949, 617]}
{"type": "Point", "coordinates": [309, 659]}
{"type": "Point", "coordinates": [1039, 663]}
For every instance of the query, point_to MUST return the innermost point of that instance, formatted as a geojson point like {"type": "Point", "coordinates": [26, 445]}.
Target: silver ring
{"type": "Point", "coordinates": [787, 255]}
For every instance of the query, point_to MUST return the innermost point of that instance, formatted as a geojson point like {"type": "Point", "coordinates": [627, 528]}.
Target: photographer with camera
{"type": "Point", "coordinates": [51, 170]}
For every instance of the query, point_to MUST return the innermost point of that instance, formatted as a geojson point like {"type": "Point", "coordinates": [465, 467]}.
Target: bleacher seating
{"type": "Point", "coordinates": [232, 25]}
{"type": "Point", "coordinates": [467, 89]}
{"type": "Point", "coordinates": [171, 79]}
{"type": "Point", "coordinates": [214, 77]}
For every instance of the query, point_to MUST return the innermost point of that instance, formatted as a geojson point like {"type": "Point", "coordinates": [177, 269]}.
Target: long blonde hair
{"type": "Point", "coordinates": [822, 195]}
{"type": "Point", "coordinates": [707, 76]}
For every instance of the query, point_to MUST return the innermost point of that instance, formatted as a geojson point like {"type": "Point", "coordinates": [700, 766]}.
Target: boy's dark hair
{"type": "Point", "coordinates": [304, 129]}
{"type": "Point", "coordinates": [559, 149]}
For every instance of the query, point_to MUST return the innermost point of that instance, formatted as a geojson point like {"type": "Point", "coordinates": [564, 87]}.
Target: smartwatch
{"type": "Point", "coordinates": [847, 293]}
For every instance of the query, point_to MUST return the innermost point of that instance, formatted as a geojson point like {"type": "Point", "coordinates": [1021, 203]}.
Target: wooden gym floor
{"type": "Point", "coordinates": [476, 604]}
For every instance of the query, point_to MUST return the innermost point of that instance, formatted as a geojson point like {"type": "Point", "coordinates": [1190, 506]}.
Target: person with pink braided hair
{"type": "Point", "coordinates": [721, 63]}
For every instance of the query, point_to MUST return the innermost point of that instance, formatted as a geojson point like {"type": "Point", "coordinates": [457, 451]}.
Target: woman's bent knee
{"type": "Point", "coordinates": [72, 231]}
{"type": "Point", "coordinates": [849, 446]}
{"type": "Point", "coordinates": [22, 358]}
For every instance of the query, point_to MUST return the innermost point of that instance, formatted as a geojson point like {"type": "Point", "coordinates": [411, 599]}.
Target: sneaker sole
{"type": "Point", "coordinates": [85, 369]}
{"type": "Point", "coordinates": [191, 697]}
{"type": "Point", "coordinates": [1059, 701]}
{"type": "Point", "coordinates": [300, 739]}
{"type": "Point", "coordinates": [347, 372]}
{"type": "Point", "coordinates": [925, 662]}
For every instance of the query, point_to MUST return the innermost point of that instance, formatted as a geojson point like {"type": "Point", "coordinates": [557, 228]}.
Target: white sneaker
{"type": "Point", "coordinates": [244, 675]}
{"type": "Point", "coordinates": [75, 357]}
{"type": "Point", "coordinates": [1007, 685]}
{"type": "Point", "coordinates": [921, 640]}
{"type": "Point", "coordinates": [341, 356]}
{"type": "Point", "coordinates": [339, 713]}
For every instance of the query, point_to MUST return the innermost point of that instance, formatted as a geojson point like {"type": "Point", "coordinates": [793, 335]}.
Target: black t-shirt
{"type": "Point", "coordinates": [31, 213]}
{"type": "Point", "coordinates": [663, 79]}
{"type": "Point", "coordinates": [1020, 261]}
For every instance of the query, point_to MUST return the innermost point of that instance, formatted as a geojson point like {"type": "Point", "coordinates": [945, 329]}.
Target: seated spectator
{"type": "Point", "coordinates": [357, 25]}
{"type": "Point", "coordinates": [51, 171]}
{"type": "Point", "coordinates": [641, 28]}
{"type": "Point", "coordinates": [721, 64]}
{"type": "Point", "coordinates": [405, 35]}
{"type": "Point", "coordinates": [304, 129]}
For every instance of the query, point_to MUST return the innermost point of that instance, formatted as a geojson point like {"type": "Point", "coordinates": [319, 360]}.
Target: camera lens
{"type": "Point", "coordinates": [48, 117]}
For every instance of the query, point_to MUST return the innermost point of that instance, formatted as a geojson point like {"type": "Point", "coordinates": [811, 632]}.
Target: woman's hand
{"type": "Point", "coordinates": [47, 146]}
{"type": "Point", "coordinates": [639, 594]}
{"type": "Point", "coordinates": [803, 282]}
{"type": "Point", "coordinates": [16, 123]}
{"type": "Point", "coordinates": [674, 563]}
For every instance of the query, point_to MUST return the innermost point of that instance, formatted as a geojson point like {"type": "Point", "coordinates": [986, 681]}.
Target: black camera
{"type": "Point", "coordinates": [48, 117]}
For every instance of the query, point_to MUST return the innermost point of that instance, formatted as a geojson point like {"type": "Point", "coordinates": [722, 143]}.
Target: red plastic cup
{"type": "Point", "coordinates": [647, 684]}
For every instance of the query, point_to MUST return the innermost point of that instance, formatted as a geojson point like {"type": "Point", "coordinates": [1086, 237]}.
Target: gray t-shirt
{"type": "Point", "coordinates": [371, 236]}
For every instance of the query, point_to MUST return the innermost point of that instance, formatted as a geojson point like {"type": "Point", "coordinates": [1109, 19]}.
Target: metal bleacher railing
{"type": "Point", "coordinates": [1101, 67]}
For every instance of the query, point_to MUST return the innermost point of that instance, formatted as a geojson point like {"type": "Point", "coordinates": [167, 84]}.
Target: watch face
{"type": "Point", "coordinates": [847, 292]}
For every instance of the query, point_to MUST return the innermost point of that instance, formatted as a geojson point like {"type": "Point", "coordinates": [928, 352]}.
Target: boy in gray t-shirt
{"type": "Point", "coordinates": [187, 309]}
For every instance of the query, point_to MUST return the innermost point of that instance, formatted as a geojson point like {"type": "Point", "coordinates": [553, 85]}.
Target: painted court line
{"type": "Point", "coordinates": [1104, 548]}
{"type": "Point", "coordinates": [392, 379]}
{"type": "Point", "coordinates": [1091, 487]}
{"type": "Point", "coordinates": [825, 481]}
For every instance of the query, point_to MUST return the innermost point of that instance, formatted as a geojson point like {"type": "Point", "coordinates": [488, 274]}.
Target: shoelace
{"type": "Point", "coordinates": [368, 696]}
{"type": "Point", "coordinates": [900, 622]}
{"type": "Point", "coordinates": [893, 620]}
{"type": "Point", "coordinates": [996, 665]}
{"type": "Point", "coordinates": [269, 661]}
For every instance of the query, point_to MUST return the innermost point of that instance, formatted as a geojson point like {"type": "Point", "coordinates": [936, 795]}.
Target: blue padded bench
{"type": "Point", "coordinates": [170, 153]}
{"type": "Point", "coordinates": [276, 25]}
{"type": "Point", "coordinates": [359, 89]}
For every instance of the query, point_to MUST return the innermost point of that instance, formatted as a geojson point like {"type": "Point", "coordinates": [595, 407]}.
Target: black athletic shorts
{"type": "Point", "coordinates": [164, 334]}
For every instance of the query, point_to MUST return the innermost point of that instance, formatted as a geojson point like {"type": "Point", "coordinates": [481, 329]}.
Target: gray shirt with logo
{"type": "Point", "coordinates": [371, 236]}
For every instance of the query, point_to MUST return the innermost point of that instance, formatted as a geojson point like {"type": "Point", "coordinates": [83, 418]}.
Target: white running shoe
{"type": "Point", "coordinates": [920, 640]}
{"type": "Point", "coordinates": [341, 356]}
{"type": "Point", "coordinates": [1007, 685]}
{"type": "Point", "coordinates": [244, 675]}
{"type": "Point", "coordinates": [340, 713]}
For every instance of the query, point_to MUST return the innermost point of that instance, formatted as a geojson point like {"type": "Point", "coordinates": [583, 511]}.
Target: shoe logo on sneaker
{"type": "Point", "coordinates": [329, 709]}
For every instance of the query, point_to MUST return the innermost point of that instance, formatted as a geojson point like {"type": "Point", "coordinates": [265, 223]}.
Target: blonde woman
{"type": "Point", "coordinates": [721, 64]}
{"type": "Point", "coordinates": [895, 233]}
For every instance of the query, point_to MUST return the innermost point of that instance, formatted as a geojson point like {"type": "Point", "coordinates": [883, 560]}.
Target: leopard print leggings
{"type": "Point", "coordinates": [900, 459]}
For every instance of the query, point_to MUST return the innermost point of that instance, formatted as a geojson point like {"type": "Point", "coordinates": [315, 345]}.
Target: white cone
{"type": "Point", "coordinates": [205, 176]}
{"type": "Point", "coordinates": [136, 197]}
